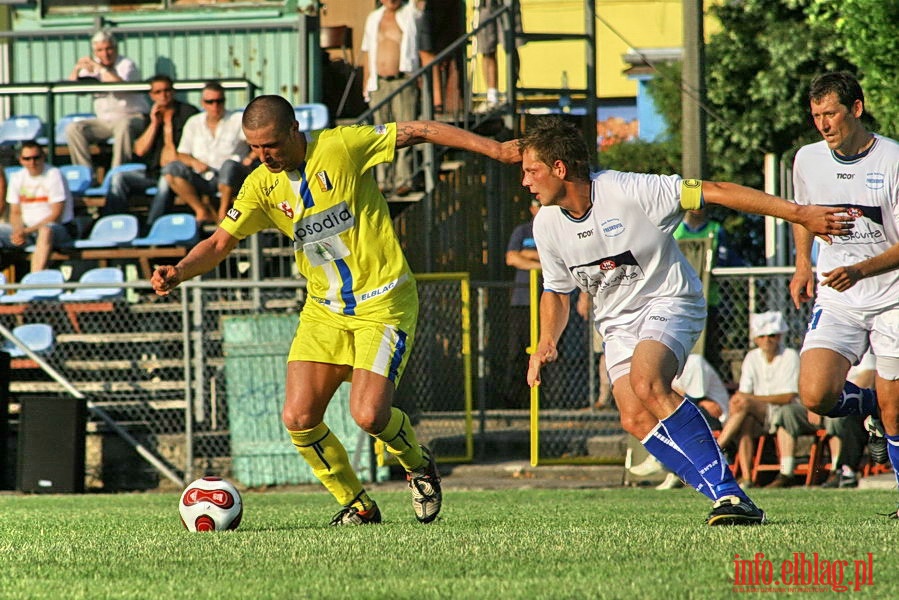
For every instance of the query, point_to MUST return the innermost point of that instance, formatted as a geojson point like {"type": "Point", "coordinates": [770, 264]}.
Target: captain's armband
{"type": "Point", "coordinates": [691, 194]}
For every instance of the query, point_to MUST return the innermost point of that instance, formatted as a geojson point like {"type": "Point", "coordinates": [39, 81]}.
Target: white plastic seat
{"type": "Point", "coordinates": [49, 277]}
{"type": "Point", "coordinates": [111, 231]}
{"type": "Point", "coordinates": [171, 230]}
{"type": "Point", "coordinates": [37, 337]}
{"type": "Point", "coordinates": [107, 275]}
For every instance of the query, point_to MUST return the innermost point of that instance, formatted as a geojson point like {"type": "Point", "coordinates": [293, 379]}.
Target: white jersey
{"type": "Point", "coordinates": [621, 252]}
{"type": "Point", "coordinates": [867, 185]}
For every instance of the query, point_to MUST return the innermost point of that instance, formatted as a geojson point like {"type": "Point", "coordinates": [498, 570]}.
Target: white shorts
{"type": "Point", "coordinates": [674, 322]}
{"type": "Point", "coordinates": [850, 333]}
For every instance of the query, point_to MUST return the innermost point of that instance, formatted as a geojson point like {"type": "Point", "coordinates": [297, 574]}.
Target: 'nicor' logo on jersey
{"type": "Point", "coordinates": [608, 272]}
{"type": "Point", "coordinates": [321, 225]}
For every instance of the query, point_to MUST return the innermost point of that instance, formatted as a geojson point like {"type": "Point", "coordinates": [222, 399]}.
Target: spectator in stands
{"type": "Point", "coordinates": [767, 400]}
{"type": "Point", "coordinates": [360, 321]}
{"type": "Point", "coordinates": [521, 254]}
{"type": "Point", "coordinates": [41, 210]}
{"type": "Point", "coordinates": [119, 115]}
{"type": "Point", "coordinates": [488, 39]}
{"type": "Point", "coordinates": [390, 42]}
{"type": "Point", "coordinates": [848, 434]}
{"type": "Point", "coordinates": [585, 310]}
{"type": "Point", "coordinates": [213, 158]}
{"type": "Point", "coordinates": [3, 216]}
{"type": "Point", "coordinates": [156, 147]}
{"type": "Point", "coordinates": [442, 22]}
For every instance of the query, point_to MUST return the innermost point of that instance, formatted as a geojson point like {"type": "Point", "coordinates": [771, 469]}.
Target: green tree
{"type": "Point", "coordinates": [868, 31]}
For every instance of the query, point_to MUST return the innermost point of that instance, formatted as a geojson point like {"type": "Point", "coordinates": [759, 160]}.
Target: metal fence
{"type": "Point", "coordinates": [156, 366]}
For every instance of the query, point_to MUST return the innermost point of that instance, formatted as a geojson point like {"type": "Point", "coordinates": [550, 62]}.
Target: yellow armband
{"type": "Point", "coordinates": [691, 194]}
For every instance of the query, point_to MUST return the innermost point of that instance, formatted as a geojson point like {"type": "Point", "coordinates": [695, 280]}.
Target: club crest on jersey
{"type": "Point", "coordinates": [854, 212]}
{"type": "Point", "coordinates": [323, 181]}
{"type": "Point", "coordinates": [233, 214]}
{"type": "Point", "coordinates": [286, 208]}
{"type": "Point", "coordinates": [874, 181]}
{"type": "Point", "coordinates": [380, 129]}
{"type": "Point", "coordinates": [612, 227]}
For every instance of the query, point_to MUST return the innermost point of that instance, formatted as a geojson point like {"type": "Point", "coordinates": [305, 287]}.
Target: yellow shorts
{"type": "Point", "coordinates": [381, 346]}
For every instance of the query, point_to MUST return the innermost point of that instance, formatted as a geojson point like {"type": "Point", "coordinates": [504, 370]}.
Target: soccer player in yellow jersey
{"type": "Point", "coordinates": [359, 320]}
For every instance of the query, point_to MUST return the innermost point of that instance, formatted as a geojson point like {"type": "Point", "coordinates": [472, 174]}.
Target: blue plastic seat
{"type": "Point", "coordinates": [112, 276]}
{"type": "Point", "coordinates": [78, 177]}
{"type": "Point", "coordinates": [8, 171]}
{"type": "Point", "coordinates": [311, 116]}
{"type": "Point", "coordinates": [171, 230]}
{"type": "Point", "coordinates": [59, 131]}
{"type": "Point", "coordinates": [37, 337]}
{"type": "Point", "coordinates": [111, 231]}
{"type": "Point", "coordinates": [49, 277]}
{"type": "Point", "coordinates": [103, 188]}
{"type": "Point", "coordinates": [22, 128]}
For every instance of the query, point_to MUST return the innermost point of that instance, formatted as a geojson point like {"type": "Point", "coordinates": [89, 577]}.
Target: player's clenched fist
{"type": "Point", "coordinates": [165, 278]}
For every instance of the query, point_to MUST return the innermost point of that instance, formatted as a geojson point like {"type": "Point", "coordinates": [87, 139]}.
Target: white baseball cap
{"type": "Point", "coordinates": [767, 323]}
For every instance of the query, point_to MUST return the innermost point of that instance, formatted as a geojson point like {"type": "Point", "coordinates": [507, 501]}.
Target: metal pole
{"type": "Point", "coordinates": [693, 92]}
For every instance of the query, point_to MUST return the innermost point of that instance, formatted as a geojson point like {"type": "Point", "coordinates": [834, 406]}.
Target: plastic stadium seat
{"type": "Point", "coordinates": [8, 171]}
{"type": "Point", "coordinates": [112, 276]}
{"type": "Point", "coordinates": [78, 177]}
{"type": "Point", "coordinates": [37, 337]}
{"type": "Point", "coordinates": [170, 230]}
{"type": "Point", "coordinates": [22, 128]}
{"type": "Point", "coordinates": [103, 188]}
{"type": "Point", "coordinates": [59, 132]}
{"type": "Point", "coordinates": [110, 231]}
{"type": "Point", "coordinates": [311, 116]}
{"type": "Point", "coordinates": [49, 277]}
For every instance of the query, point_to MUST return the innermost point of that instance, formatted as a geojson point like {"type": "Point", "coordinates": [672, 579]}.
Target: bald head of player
{"type": "Point", "coordinates": [272, 132]}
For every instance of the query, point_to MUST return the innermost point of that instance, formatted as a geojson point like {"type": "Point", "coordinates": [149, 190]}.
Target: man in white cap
{"type": "Point", "coordinates": [767, 400]}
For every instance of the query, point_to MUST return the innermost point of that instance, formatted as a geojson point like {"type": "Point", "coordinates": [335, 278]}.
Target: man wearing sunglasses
{"type": "Point", "coordinates": [213, 160]}
{"type": "Point", "coordinates": [41, 210]}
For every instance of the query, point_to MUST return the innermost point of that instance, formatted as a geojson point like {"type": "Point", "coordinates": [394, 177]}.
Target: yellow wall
{"type": "Point", "coordinates": [620, 25]}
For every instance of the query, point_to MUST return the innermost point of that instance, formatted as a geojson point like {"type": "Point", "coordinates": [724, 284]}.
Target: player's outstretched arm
{"type": "Point", "coordinates": [553, 319]}
{"type": "Point", "coordinates": [201, 259]}
{"type": "Point", "coordinates": [409, 133]}
{"type": "Point", "coordinates": [820, 220]}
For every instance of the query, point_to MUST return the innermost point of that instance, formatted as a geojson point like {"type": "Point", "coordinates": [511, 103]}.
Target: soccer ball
{"type": "Point", "coordinates": [210, 504]}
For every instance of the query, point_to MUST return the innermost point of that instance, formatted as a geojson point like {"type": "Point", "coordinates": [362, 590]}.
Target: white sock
{"type": "Point", "coordinates": [492, 95]}
{"type": "Point", "coordinates": [787, 466]}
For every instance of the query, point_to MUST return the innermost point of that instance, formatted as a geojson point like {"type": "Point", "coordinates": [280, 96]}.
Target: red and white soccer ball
{"type": "Point", "coordinates": [210, 504]}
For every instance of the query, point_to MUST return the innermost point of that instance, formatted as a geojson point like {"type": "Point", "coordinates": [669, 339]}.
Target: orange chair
{"type": "Point", "coordinates": [812, 469]}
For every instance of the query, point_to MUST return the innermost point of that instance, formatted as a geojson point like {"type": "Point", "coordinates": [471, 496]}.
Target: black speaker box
{"type": "Point", "coordinates": [51, 445]}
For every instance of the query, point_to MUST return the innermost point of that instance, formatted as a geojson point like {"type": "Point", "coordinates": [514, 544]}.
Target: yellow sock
{"type": "Point", "coordinates": [400, 440]}
{"type": "Point", "coordinates": [330, 464]}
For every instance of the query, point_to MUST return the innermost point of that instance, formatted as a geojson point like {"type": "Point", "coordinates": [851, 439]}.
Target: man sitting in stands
{"type": "Point", "coordinates": [41, 210]}
{"type": "Point", "coordinates": [156, 146]}
{"type": "Point", "coordinates": [213, 157]}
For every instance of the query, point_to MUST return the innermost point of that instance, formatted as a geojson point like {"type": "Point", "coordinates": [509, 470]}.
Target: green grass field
{"type": "Point", "coordinates": [594, 543]}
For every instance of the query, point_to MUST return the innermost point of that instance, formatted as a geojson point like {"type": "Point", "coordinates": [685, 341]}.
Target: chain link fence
{"type": "Point", "coordinates": [156, 366]}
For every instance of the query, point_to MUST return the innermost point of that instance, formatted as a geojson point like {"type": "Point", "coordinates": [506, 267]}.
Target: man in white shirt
{"type": "Point", "coordinates": [390, 42]}
{"type": "Point", "coordinates": [213, 159]}
{"type": "Point", "coordinates": [40, 207]}
{"type": "Point", "coordinates": [120, 115]}
{"type": "Point", "coordinates": [609, 234]}
{"type": "Point", "coordinates": [857, 303]}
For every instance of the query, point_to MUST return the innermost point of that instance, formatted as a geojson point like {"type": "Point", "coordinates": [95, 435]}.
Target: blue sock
{"type": "Point", "coordinates": [893, 452]}
{"type": "Point", "coordinates": [855, 401]}
{"type": "Point", "coordinates": [660, 445]}
{"type": "Point", "coordinates": [689, 430]}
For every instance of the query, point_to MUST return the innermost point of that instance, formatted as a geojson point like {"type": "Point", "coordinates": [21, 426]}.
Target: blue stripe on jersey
{"type": "Point", "coordinates": [346, 290]}
{"type": "Point", "coordinates": [397, 355]}
{"type": "Point", "coordinates": [305, 193]}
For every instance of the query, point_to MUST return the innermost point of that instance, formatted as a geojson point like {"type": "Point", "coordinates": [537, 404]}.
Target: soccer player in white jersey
{"type": "Point", "coordinates": [857, 305]}
{"type": "Point", "coordinates": [359, 321]}
{"type": "Point", "coordinates": [609, 234]}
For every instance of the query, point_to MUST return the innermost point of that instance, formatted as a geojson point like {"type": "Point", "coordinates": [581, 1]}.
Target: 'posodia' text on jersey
{"type": "Point", "coordinates": [331, 208]}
